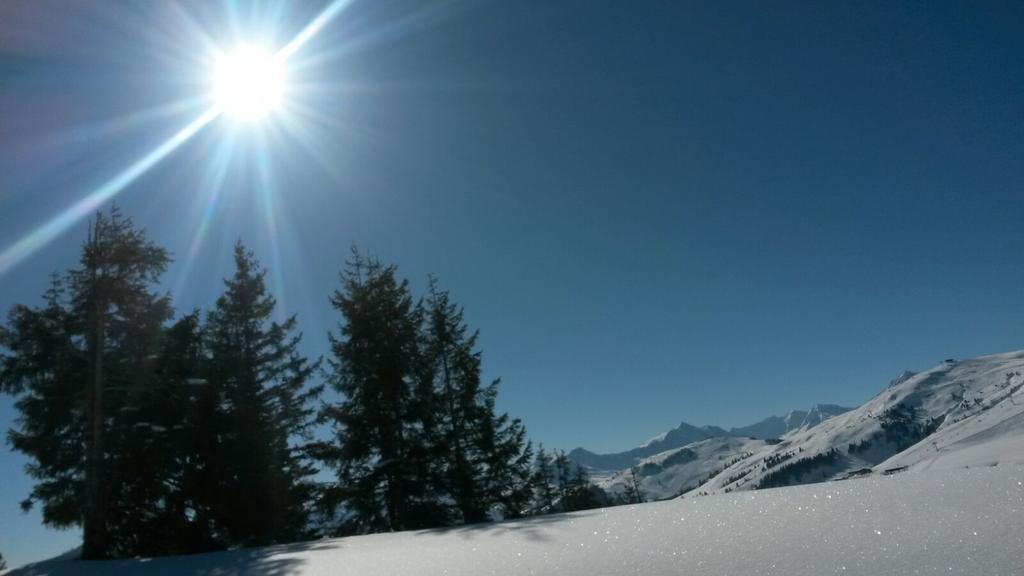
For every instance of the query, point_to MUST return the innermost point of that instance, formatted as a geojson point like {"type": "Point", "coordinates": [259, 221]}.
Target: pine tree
{"type": "Point", "coordinates": [193, 445]}
{"type": "Point", "coordinates": [582, 494]}
{"type": "Point", "coordinates": [633, 493]}
{"type": "Point", "coordinates": [544, 483]}
{"type": "Point", "coordinates": [123, 320]}
{"type": "Point", "coordinates": [3, 565]}
{"type": "Point", "coordinates": [563, 479]}
{"type": "Point", "coordinates": [46, 372]}
{"type": "Point", "coordinates": [486, 461]}
{"type": "Point", "coordinates": [383, 483]}
{"type": "Point", "coordinates": [258, 379]}
{"type": "Point", "coordinates": [81, 368]}
{"type": "Point", "coordinates": [179, 426]}
{"type": "Point", "coordinates": [454, 370]}
{"type": "Point", "coordinates": [508, 456]}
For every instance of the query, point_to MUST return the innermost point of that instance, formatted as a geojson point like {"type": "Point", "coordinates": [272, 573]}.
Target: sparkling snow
{"type": "Point", "coordinates": [966, 521]}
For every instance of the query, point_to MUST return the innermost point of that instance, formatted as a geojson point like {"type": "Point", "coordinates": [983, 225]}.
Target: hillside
{"type": "Point", "coordinates": [949, 522]}
{"type": "Point", "coordinates": [675, 438]}
{"type": "Point", "coordinates": [685, 434]}
{"type": "Point", "coordinates": [673, 472]}
{"type": "Point", "coordinates": [967, 413]}
{"type": "Point", "coordinates": [776, 426]}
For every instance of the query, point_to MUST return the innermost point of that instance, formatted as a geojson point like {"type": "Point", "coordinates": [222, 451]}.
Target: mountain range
{"type": "Point", "coordinates": [958, 414]}
{"type": "Point", "coordinates": [684, 434]}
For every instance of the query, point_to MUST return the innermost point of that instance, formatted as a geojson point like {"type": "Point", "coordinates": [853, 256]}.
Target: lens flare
{"type": "Point", "coordinates": [249, 82]}
{"type": "Point", "coordinates": [56, 226]}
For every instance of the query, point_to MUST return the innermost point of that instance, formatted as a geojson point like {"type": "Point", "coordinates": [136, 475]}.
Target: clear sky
{"type": "Point", "coordinates": [653, 211]}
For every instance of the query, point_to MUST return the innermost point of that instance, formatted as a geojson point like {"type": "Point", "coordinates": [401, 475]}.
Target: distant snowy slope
{"type": "Point", "coordinates": [684, 434]}
{"type": "Point", "coordinates": [673, 472]}
{"type": "Point", "coordinates": [962, 522]}
{"type": "Point", "coordinates": [776, 426]}
{"type": "Point", "coordinates": [675, 438]}
{"type": "Point", "coordinates": [956, 414]}
{"type": "Point", "coordinates": [986, 428]}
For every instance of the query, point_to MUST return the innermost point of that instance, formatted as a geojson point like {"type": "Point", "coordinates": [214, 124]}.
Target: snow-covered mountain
{"type": "Point", "coordinates": [685, 434]}
{"type": "Point", "coordinates": [675, 438]}
{"type": "Point", "coordinates": [967, 413]}
{"type": "Point", "coordinates": [679, 470]}
{"type": "Point", "coordinates": [963, 522]}
{"type": "Point", "coordinates": [776, 426]}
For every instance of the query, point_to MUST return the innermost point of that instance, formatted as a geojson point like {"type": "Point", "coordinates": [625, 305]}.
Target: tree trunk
{"type": "Point", "coordinates": [94, 532]}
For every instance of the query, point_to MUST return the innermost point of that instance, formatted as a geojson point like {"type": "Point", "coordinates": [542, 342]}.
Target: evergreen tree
{"type": "Point", "coordinates": [454, 368]}
{"type": "Point", "coordinates": [563, 478]}
{"type": "Point", "coordinates": [123, 322]}
{"type": "Point", "coordinates": [257, 378]}
{"type": "Point", "coordinates": [633, 493]}
{"type": "Point", "coordinates": [184, 371]}
{"type": "Point", "coordinates": [82, 368]}
{"type": "Point", "coordinates": [416, 420]}
{"type": "Point", "coordinates": [508, 457]}
{"type": "Point", "coordinates": [46, 372]}
{"type": "Point", "coordinates": [581, 494]}
{"type": "Point", "coordinates": [383, 482]}
{"type": "Point", "coordinates": [180, 428]}
{"type": "Point", "coordinates": [544, 483]}
{"type": "Point", "coordinates": [3, 565]}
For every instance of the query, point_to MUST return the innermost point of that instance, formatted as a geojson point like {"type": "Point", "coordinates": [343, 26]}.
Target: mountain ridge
{"type": "Point", "coordinates": [686, 433]}
{"type": "Point", "coordinates": [958, 414]}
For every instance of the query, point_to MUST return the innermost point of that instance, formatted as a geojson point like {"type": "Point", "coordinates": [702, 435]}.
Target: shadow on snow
{"type": "Point", "coordinates": [278, 560]}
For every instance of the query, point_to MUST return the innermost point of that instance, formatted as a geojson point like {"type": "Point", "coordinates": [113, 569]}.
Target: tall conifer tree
{"type": "Point", "coordinates": [545, 493]}
{"type": "Point", "coordinates": [45, 369]}
{"type": "Point", "coordinates": [454, 368]}
{"type": "Point", "coordinates": [82, 369]}
{"type": "Point", "coordinates": [259, 379]}
{"type": "Point", "coordinates": [380, 447]}
{"type": "Point", "coordinates": [485, 454]}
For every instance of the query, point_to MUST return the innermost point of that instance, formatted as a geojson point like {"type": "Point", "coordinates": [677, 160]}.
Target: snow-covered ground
{"type": "Point", "coordinates": [965, 521]}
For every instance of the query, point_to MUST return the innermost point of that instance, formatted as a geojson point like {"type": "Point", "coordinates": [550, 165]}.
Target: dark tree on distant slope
{"type": "Point", "coordinates": [559, 486]}
{"type": "Point", "coordinates": [581, 494]}
{"type": "Point", "coordinates": [259, 380]}
{"type": "Point", "coordinates": [633, 493]}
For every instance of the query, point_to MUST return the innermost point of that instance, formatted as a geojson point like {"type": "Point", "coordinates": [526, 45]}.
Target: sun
{"type": "Point", "coordinates": [248, 82]}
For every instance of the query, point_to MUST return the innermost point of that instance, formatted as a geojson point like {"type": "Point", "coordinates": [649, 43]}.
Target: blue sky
{"type": "Point", "coordinates": [654, 211]}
